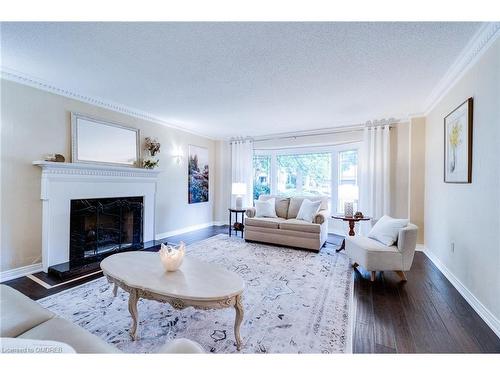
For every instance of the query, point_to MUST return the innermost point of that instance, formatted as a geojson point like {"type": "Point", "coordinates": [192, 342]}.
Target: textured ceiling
{"type": "Point", "coordinates": [234, 79]}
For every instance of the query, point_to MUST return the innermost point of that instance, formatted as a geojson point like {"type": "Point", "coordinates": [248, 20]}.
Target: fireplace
{"type": "Point", "coordinates": [103, 226]}
{"type": "Point", "coordinates": [63, 184]}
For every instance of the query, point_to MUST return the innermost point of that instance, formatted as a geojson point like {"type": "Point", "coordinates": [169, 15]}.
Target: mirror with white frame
{"type": "Point", "coordinates": [96, 141]}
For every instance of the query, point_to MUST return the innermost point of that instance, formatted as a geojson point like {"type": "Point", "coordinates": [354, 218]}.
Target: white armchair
{"type": "Point", "coordinates": [374, 256]}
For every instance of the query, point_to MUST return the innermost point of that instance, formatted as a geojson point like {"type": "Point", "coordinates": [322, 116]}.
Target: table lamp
{"type": "Point", "coordinates": [239, 189]}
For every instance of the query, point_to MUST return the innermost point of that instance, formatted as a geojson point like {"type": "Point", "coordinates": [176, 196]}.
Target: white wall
{"type": "Point", "coordinates": [35, 123]}
{"type": "Point", "coordinates": [468, 215]}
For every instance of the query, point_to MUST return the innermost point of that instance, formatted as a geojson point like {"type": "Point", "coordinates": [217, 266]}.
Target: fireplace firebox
{"type": "Point", "coordinates": [100, 227]}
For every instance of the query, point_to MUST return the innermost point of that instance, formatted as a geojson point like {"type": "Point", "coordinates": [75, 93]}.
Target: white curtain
{"type": "Point", "coordinates": [242, 168]}
{"type": "Point", "coordinates": [375, 177]}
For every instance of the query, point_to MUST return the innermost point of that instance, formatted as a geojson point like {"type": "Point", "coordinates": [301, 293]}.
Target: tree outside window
{"type": "Point", "coordinates": [261, 175]}
{"type": "Point", "coordinates": [304, 174]}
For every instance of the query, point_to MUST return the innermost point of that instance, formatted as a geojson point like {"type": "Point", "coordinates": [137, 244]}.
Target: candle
{"type": "Point", "coordinates": [348, 209]}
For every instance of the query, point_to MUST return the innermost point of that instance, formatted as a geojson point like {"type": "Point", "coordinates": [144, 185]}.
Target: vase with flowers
{"type": "Point", "coordinates": [152, 146]}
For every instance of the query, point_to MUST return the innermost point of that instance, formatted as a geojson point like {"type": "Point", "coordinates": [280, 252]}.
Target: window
{"type": "Point", "coordinates": [261, 175]}
{"type": "Point", "coordinates": [331, 171]}
{"type": "Point", "coordinates": [348, 190]}
{"type": "Point", "coordinates": [304, 174]}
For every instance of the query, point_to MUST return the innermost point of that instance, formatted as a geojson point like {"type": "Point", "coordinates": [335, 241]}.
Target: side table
{"type": "Point", "coordinates": [352, 221]}
{"type": "Point", "coordinates": [237, 226]}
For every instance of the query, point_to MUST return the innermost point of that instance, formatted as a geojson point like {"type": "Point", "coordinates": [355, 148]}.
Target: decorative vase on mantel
{"type": "Point", "coordinates": [152, 147]}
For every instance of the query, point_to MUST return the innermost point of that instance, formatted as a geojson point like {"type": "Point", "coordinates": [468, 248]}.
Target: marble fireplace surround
{"type": "Point", "coordinates": [62, 182]}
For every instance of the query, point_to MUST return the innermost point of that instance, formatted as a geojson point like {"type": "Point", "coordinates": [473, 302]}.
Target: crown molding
{"type": "Point", "coordinates": [480, 42]}
{"type": "Point", "coordinates": [26, 80]}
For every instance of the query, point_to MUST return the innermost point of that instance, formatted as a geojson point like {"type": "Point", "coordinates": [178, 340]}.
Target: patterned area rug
{"type": "Point", "coordinates": [294, 302]}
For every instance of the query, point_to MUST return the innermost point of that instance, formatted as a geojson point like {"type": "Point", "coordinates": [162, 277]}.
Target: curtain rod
{"type": "Point", "coordinates": [350, 130]}
{"type": "Point", "coordinates": [324, 131]}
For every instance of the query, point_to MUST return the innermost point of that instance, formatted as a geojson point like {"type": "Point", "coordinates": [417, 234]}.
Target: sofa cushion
{"type": "Point", "coordinates": [59, 329]}
{"type": "Point", "coordinates": [265, 208]}
{"type": "Point", "coordinates": [300, 226]}
{"type": "Point", "coordinates": [386, 229]}
{"type": "Point", "coordinates": [264, 222]}
{"type": "Point", "coordinates": [281, 204]}
{"type": "Point", "coordinates": [296, 202]}
{"type": "Point", "coordinates": [280, 232]}
{"type": "Point", "coordinates": [19, 313]}
{"type": "Point", "coordinates": [308, 210]}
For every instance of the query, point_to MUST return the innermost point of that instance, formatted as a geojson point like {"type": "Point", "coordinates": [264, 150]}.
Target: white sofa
{"type": "Point", "coordinates": [286, 229]}
{"type": "Point", "coordinates": [27, 327]}
{"type": "Point", "coordinates": [374, 256]}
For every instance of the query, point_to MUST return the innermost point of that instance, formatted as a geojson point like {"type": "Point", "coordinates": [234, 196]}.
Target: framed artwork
{"type": "Point", "coordinates": [198, 174]}
{"type": "Point", "coordinates": [458, 144]}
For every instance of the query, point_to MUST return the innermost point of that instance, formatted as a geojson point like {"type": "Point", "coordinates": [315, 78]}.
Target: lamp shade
{"type": "Point", "coordinates": [239, 188]}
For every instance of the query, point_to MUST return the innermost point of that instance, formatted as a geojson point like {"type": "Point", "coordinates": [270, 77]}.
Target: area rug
{"type": "Point", "coordinates": [295, 301]}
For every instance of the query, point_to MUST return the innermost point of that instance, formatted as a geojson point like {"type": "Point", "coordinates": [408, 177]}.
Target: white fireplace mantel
{"type": "Point", "coordinates": [62, 182]}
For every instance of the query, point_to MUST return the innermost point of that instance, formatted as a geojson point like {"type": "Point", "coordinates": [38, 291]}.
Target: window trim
{"type": "Point", "coordinates": [333, 150]}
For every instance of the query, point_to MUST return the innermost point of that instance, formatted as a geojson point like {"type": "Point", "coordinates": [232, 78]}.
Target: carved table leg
{"type": "Point", "coordinates": [132, 308]}
{"type": "Point", "coordinates": [237, 321]}
{"type": "Point", "coordinates": [351, 228]}
{"type": "Point", "coordinates": [115, 290]}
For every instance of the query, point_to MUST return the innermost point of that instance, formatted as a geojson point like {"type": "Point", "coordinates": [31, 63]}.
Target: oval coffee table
{"type": "Point", "coordinates": [198, 284]}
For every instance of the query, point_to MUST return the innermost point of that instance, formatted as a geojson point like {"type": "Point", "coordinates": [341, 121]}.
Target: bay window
{"type": "Point", "coordinates": [347, 181]}
{"type": "Point", "coordinates": [328, 171]}
{"type": "Point", "coordinates": [303, 174]}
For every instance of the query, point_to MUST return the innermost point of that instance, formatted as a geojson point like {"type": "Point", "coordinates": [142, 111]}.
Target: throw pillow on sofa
{"type": "Point", "coordinates": [308, 210]}
{"type": "Point", "coordinates": [265, 208]}
{"type": "Point", "coordinates": [386, 230]}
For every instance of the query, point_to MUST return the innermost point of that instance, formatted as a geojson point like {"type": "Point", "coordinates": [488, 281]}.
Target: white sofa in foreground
{"type": "Point", "coordinates": [27, 327]}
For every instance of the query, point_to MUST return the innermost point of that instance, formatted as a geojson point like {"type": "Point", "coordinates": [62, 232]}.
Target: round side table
{"type": "Point", "coordinates": [352, 221]}
{"type": "Point", "coordinates": [237, 226]}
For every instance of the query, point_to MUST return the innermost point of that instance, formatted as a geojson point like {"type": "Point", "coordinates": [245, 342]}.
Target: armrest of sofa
{"type": "Point", "coordinates": [321, 217]}
{"type": "Point", "coordinates": [250, 212]}
{"type": "Point", "coordinates": [407, 238]}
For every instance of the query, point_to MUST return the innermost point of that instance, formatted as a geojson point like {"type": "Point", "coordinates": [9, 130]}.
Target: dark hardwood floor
{"type": "Point", "coordinates": [426, 314]}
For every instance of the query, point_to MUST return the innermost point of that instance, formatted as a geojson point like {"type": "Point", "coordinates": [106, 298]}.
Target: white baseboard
{"type": "Point", "coordinates": [420, 247]}
{"type": "Point", "coordinates": [219, 223]}
{"type": "Point", "coordinates": [176, 232]}
{"type": "Point", "coordinates": [19, 272]}
{"type": "Point", "coordinates": [482, 311]}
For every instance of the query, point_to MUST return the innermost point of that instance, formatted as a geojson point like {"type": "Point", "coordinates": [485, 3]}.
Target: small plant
{"type": "Point", "coordinates": [150, 163]}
